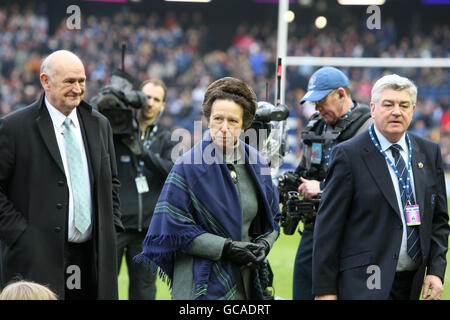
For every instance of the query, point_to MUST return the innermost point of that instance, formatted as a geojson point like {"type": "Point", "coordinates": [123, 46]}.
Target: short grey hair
{"type": "Point", "coordinates": [394, 82]}
{"type": "Point", "coordinates": [46, 65]}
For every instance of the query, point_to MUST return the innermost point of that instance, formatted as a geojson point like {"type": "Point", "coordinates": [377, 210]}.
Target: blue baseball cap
{"type": "Point", "coordinates": [322, 82]}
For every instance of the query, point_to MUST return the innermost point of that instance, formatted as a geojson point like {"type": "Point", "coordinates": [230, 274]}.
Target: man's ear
{"type": "Point", "coordinates": [341, 92]}
{"type": "Point", "coordinates": [44, 80]}
{"type": "Point", "coordinates": [372, 108]}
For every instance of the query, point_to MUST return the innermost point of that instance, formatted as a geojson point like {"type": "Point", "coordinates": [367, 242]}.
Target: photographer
{"type": "Point", "coordinates": [143, 161]}
{"type": "Point", "coordinates": [338, 118]}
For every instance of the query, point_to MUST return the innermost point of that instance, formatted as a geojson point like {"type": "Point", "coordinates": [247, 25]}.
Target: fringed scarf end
{"type": "Point", "coordinates": [154, 268]}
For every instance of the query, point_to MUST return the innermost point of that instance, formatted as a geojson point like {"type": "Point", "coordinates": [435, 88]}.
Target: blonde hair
{"type": "Point", "coordinates": [27, 290]}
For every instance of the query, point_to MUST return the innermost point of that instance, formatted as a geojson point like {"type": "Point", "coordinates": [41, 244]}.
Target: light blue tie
{"type": "Point", "coordinates": [80, 194]}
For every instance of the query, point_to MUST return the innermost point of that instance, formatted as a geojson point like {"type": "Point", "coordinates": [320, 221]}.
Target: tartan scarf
{"type": "Point", "coordinates": [199, 196]}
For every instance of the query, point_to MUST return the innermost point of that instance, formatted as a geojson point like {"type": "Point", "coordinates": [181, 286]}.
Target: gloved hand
{"type": "Point", "coordinates": [261, 252]}
{"type": "Point", "coordinates": [264, 247]}
{"type": "Point", "coordinates": [243, 253]}
{"type": "Point", "coordinates": [134, 144]}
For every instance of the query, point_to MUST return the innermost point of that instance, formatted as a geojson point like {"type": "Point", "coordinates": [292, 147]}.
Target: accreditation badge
{"type": "Point", "coordinates": [316, 155]}
{"type": "Point", "coordinates": [141, 184]}
{"type": "Point", "coordinates": [412, 214]}
{"type": "Point", "coordinates": [125, 158]}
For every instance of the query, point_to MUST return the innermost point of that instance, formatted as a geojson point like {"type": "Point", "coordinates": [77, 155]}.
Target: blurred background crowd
{"type": "Point", "coordinates": [190, 48]}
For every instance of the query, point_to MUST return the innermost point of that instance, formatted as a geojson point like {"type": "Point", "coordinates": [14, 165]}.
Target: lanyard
{"type": "Point", "coordinates": [405, 186]}
{"type": "Point", "coordinates": [141, 167]}
{"type": "Point", "coordinates": [146, 141]}
{"type": "Point", "coordinates": [327, 157]}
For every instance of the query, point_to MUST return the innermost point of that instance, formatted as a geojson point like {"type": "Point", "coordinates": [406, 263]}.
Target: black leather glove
{"type": "Point", "coordinates": [261, 252]}
{"type": "Point", "coordinates": [265, 245]}
{"type": "Point", "coordinates": [134, 144]}
{"type": "Point", "coordinates": [242, 253]}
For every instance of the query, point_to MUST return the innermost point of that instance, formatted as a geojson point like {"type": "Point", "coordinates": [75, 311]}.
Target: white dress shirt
{"type": "Point", "coordinates": [58, 124]}
{"type": "Point", "coordinates": [404, 260]}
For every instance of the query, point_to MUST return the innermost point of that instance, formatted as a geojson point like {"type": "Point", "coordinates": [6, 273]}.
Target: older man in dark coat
{"type": "Point", "coordinates": [59, 207]}
{"type": "Point", "coordinates": [382, 226]}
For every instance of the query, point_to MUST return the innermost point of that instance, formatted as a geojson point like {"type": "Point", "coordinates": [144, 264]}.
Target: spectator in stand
{"type": "Point", "coordinates": [445, 120]}
{"type": "Point", "coordinates": [176, 48]}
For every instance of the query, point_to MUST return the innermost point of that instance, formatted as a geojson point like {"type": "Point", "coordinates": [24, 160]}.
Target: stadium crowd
{"type": "Point", "coordinates": [177, 49]}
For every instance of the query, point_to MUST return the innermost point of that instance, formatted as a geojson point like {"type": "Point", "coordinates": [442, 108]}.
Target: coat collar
{"type": "Point", "coordinates": [90, 124]}
{"type": "Point", "coordinates": [380, 172]}
{"type": "Point", "coordinates": [420, 179]}
{"type": "Point", "coordinates": [88, 121]}
{"type": "Point", "coordinates": [45, 126]}
{"type": "Point", "coordinates": [377, 167]}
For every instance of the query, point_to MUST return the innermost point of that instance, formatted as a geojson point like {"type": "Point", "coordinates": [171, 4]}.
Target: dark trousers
{"type": "Point", "coordinates": [80, 276]}
{"type": "Point", "coordinates": [142, 281]}
{"type": "Point", "coordinates": [401, 287]}
{"type": "Point", "coordinates": [302, 282]}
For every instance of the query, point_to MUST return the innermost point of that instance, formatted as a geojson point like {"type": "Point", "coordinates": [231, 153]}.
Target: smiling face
{"type": "Point", "coordinates": [392, 113]}
{"type": "Point", "coordinates": [64, 82]}
{"type": "Point", "coordinates": [226, 122]}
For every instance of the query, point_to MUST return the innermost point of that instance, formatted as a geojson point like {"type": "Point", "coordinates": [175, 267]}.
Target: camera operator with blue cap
{"type": "Point", "coordinates": [338, 118]}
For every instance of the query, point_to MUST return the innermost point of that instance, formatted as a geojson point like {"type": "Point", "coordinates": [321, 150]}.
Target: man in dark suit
{"type": "Point", "coordinates": [59, 207]}
{"type": "Point", "coordinates": [338, 118]}
{"type": "Point", "coordinates": [383, 220]}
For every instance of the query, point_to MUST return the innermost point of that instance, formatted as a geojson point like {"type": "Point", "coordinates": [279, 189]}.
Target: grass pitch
{"type": "Point", "coordinates": [281, 259]}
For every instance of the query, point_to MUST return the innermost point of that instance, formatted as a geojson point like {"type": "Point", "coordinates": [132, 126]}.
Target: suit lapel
{"type": "Point", "coordinates": [419, 174]}
{"type": "Point", "coordinates": [46, 129]}
{"type": "Point", "coordinates": [419, 177]}
{"type": "Point", "coordinates": [92, 137]}
{"type": "Point", "coordinates": [379, 170]}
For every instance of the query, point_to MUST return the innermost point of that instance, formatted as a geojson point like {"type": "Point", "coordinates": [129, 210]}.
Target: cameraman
{"type": "Point", "coordinates": [338, 118]}
{"type": "Point", "coordinates": [143, 162]}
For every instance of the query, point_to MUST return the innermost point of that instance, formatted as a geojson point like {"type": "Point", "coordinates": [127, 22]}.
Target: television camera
{"type": "Point", "coordinates": [294, 208]}
{"type": "Point", "coordinates": [270, 128]}
{"type": "Point", "coordinates": [118, 102]}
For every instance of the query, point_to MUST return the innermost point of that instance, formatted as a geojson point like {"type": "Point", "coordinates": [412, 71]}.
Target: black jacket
{"type": "Point", "coordinates": [359, 224]}
{"type": "Point", "coordinates": [137, 209]}
{"type": "Point", "coordinates": [34, 197]}
{"type": "Point", "coordinates": [344, 129]}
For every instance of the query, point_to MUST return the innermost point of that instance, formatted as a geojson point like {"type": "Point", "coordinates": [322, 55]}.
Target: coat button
{"type": "Point", "coordinates": [61, 183]}
{"type": "Point", "coordinates": [59, 206]}
{"type": "Point", "coordinates": [57, 229]}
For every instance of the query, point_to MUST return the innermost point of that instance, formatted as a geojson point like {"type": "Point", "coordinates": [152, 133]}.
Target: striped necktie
{"type": "Point", "coordinates": [413, 242]}
{"type": "Point", "coordinates": [81, 206]}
